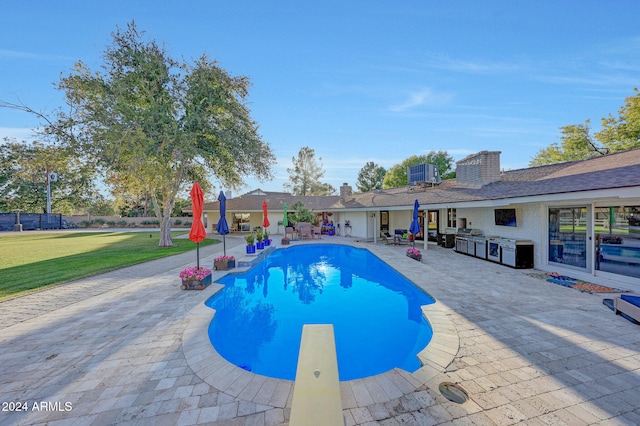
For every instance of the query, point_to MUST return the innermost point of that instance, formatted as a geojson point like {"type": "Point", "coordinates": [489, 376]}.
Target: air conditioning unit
{"type": "Point", "coordinates": [423, 173]}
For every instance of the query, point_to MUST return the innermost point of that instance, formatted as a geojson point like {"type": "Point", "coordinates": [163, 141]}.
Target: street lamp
{"type": "Point", "coordinates": [18, 226]}
{"type": "Point", "coordinates": [51, 177]}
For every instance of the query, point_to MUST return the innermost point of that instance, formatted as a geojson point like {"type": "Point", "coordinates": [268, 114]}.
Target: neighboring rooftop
{"type": "Point", "coordinates": [479, 179]}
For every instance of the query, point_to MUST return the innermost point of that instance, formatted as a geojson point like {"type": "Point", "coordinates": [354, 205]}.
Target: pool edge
{"type": "Point", "coordinates": [224, 376]}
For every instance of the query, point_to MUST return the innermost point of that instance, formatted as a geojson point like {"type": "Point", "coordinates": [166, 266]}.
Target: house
{"type": "Point", "coordinates": [582, 217]}
{"type": "Point", "coordinates": [244, 213]}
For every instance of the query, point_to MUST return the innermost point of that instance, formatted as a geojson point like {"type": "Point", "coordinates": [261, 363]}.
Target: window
{"type": "Point", "coordinates": [568, 236]}
{"type": "Point", "coordinates": [451, 218]}
{"type": "Point", "coordinates": [617, 231]}
{"type": "Point", "coordinates": [384, 220]}
{"type": "Point", "coordinates": [242, 222]}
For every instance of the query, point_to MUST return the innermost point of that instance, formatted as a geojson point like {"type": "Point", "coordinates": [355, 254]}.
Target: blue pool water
{"type": "Point", "coordinates": [621, 251]}
{"type": "Point", "coordinates": [378, 322]}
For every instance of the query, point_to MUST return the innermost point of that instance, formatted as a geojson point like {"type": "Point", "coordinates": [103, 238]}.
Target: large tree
{"type": "Point", "coordinates": [23, 178]}
{"type": "Point", "coordinates": [370, 177]}
{"type": "Point", "coordinates": [622, 132]}
{"type": "Point", "coordinates": [156, 125]}
{"type": "Point", "coordinates": [397, 175]}
{"type": "Point", "coordinates": [576, 143]}
{"type": "Point", "coordinates": [305, 175]}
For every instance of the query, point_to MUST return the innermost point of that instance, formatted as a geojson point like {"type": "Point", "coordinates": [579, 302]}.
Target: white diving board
{"type": "Point", "coordinates": [316, 392]}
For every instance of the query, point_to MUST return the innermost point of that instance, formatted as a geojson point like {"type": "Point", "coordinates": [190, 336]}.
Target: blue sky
{"type": "Point", "coordinates": [359, 81]}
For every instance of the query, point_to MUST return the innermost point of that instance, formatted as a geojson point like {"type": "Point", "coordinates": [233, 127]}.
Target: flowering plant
{"type": "Point", "coordinates": [223, 258]}
{"type": "Point", "coordinates": [194, 273]}
{"type": "Point", "coordinates": [413, 251]}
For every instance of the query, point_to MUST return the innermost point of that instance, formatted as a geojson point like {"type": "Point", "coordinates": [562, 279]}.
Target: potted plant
{"type": "Point", "coordinates": [223, 263]}
{"type": "Point", "coordinates": [259, 243]}
{"type": "Point", "coordinates": [265, 237]}
{"type": "Point", "coordinates": [414, 253]}
{"type": "Point", "coordinates": [250, 239]}
{"type": "Point", "coordinates": [285, 241]}
{"type": "Point", "coordinates": [194, 278]}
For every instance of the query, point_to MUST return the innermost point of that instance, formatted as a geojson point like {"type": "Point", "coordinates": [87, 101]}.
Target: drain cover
{"type": "Point", "coordinates": [453, 392]}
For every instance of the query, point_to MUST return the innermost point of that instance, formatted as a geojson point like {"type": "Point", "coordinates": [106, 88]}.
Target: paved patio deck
{"type": "Point", "coordinates": [130, 347]}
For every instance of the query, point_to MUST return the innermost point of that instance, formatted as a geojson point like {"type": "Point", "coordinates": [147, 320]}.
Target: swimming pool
{"type": "Point", "coordinates": [626, 251]}
{"type": "Point", "coordinates": [375, 311]}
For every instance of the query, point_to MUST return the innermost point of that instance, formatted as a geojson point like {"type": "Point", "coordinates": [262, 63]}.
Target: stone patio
{"type": "Point", "coordinates": [130, 347]}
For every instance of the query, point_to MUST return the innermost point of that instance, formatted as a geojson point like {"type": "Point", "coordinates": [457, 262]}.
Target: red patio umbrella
{"type": "Point", "coordinates": [265, 218]}
{"type": "Point", "coordinates": [197, 233]}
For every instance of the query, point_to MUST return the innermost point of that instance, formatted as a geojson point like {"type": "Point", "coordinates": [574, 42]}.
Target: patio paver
{"type": "Point", "coordinates": [130, 347]}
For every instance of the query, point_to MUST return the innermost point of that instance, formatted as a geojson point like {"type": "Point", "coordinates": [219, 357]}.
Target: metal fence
{"type": "Point", "coordinates": [30, 221]}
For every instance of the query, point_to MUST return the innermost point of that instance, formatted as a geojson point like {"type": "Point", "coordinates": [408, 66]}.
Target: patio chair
{"type": "Point", "coordinates": [401, 237]}
{"type": "Point", "coordinates": [304, 230]}
{"type": "Point", "coordinates": [316, 230]}
{"type": "Point", "coordinates": [386, 237]}
{"type": "Point", "coordinates": [289, 231]}
{"type": "Point", "coordinates": [628, 305]}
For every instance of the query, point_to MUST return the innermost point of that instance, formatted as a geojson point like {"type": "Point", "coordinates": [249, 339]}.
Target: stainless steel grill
{"type": "Point", "coordinates": [465, 240]}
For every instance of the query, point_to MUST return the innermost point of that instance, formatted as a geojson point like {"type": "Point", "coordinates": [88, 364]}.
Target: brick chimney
{"type": "Point", "coordinates": [345, 192]}
{"type": "Point", "coordinates": [477, 170]}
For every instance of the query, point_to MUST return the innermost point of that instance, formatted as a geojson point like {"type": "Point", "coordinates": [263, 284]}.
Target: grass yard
{"type": "Point", "coordinates": [32, 261]}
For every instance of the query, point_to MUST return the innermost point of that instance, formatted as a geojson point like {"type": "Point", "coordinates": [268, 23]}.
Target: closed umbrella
{"type": "Point", "coordinates": [285, 220]}
{"type": "Point", "coordinates": [415, 225]}
{"type": "Point", "coordinates": [197, 233]}
{"type": "Point", "coordinates": [222, 227]}
{"type": "Point", "coordinates": [265, 218]}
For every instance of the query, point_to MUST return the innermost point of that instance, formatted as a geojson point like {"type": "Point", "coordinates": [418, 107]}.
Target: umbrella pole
{"type": "Point", "coordinates": [224, 245]}
{"type": "Point", "coordinates": [198, 255]}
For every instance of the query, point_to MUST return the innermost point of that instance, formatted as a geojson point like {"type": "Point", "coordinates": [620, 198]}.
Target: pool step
{"type": "Point", "coordinates": [249, 260]}
{"type": "Point", "coordinates": [316, 392]}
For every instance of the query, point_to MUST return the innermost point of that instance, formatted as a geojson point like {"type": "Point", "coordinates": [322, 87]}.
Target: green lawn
{"type": "Point", "coordinates": [29, 262]}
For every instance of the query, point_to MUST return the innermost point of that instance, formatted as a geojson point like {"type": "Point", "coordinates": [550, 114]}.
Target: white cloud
{"type": "Point", "coordinates": [19, 133]}
{"type": "Point", "coordinates": [15, 54]}
{"type": "Point", "coordinates": [421, 97]}
{"type": "Point", "coordinates": [444, 62]}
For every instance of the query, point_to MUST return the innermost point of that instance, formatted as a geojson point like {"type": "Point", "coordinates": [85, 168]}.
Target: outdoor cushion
{"type": "Point", "coordinates": [634, 300]}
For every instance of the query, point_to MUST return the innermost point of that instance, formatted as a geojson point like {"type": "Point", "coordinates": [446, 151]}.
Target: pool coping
{"type": "Point", "coordinates": [219, 373]}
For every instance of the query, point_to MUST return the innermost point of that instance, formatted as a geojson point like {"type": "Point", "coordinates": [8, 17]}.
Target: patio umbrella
{"type": "Point", "coordinates": [285, 219]}
{"type": "Point", "coordinates": [265, 218]}
{"type": "Point", "coordinates": [222, 227]}
{"type": "Point", "coordinates": [197, 233]}
{"type": "Point", "coordinates": [415, 225]}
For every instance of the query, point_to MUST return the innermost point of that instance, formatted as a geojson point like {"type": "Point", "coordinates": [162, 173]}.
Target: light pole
{"type": "Point", "coordinates": [51, 177]}
{"type": "Point", "coordinates": [18, 226]}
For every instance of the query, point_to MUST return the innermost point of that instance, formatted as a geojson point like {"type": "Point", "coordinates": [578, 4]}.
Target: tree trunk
{"type": "Point", "coordinates": [165, 232]}
{"type": "Point", "coordinates": [164, 216]}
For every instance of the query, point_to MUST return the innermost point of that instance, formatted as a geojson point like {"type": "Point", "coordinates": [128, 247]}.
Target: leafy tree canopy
{"type": "Point", "coordinates": [305, 175]}
{"type": "Point", "coordinates": [370, 177]}
{"type": "Point", "coordinates": [623, 132]}
{"type": "Point", "coordinates": [397, 175]}
{"type": "Point", "coordinates": [300, 213]}
{"type": "Point", "coordinates": [576, 142]}
{"type": "Point", "coordinates": [23, 178]}
{"type": "Point", "coordinates": [155, 125]}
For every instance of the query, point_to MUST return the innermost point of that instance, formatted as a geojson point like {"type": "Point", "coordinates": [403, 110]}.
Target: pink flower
{"type": "Point", "coordinates": [193, 273]}
{"type": "Point", "coordinates": [223, 259]}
